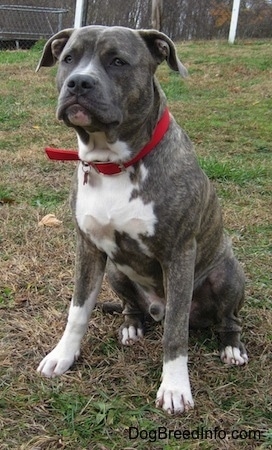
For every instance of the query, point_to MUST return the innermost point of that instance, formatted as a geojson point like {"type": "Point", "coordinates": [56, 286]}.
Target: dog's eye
{"type": "Point", "coordinates": [68, 59]}
{"type": "Point", "coordinates": [117, 62]}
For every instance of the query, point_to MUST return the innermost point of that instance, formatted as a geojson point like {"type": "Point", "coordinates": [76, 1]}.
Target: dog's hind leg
{"type": "Point", "coordinates": [227, 283]}
{"type": "Point", "coordinates": [133, 305]}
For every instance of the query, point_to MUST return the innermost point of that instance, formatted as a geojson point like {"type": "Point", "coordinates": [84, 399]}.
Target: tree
{"type": "Point", "coordinates": [156, 14]}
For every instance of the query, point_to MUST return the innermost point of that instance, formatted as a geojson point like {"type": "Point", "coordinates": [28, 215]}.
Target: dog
{"type": "Point", "coordinates": [145, 212]}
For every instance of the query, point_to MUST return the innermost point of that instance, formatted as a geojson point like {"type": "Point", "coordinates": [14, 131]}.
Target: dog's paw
{"type": "Point", "coordinates": [131, 334]}
{"type": "Point", "coordinates": [174, 395]}
{"type": "Point", "coordinates": [233, 356]}
{"type": "Point", "coordinates": [175, 400]}
{"type": "Point", "coordinates": [57, 362]}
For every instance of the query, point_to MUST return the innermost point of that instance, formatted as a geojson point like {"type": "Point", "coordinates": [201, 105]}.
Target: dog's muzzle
{"type": "Point", "coordinates": [83, 103]}
{"type": "Point", "coordinates": [78, 89]}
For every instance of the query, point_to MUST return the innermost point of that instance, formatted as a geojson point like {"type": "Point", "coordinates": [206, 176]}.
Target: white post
{"type": "Point", "coordinates": [234, 20]}
{"type": "Point", "coordinates": [79, 13]}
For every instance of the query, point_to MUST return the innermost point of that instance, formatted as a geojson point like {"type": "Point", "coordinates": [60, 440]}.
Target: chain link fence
{"type": "Point", "coordinates": [23, 22]}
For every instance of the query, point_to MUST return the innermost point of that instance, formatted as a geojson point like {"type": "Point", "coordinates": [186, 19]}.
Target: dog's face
{"type": "Point", "coordinates": [105, 74]}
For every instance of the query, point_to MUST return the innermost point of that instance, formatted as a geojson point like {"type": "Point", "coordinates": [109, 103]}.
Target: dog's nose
{"type": "Point", "coordinates": [80, 84]}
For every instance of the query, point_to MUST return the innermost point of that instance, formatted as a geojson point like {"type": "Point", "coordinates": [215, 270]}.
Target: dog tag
{"type": "Point", "coordinates": [85, 181]}
{"type": "Point", "coordinates": [86, 170]}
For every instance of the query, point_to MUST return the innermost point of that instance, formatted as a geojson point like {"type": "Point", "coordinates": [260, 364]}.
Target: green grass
{"type": "Point", "coordinates": [225, 107]}
{"type": "Point", "coordinates": [6, 296]}
{"type": "Point", "coordinates": [13, 113]}
{"type": "Point", "coordinates": [234, 171]}
{"type": "Point", "coordinates": [49, 198]}
{"type": "Point", "coordinates": [173, 89]}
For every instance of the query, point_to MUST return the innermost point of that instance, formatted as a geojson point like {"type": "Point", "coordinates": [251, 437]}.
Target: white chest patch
{"type": "Point", "coordinates": [105, 205]}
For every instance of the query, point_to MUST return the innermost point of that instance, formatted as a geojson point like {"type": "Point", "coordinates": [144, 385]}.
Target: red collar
{"type": "Point", "coordinates": [110, 168]}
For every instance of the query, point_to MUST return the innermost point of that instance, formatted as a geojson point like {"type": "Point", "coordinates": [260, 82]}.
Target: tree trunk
{"type": "Point", "coordinates": [156, 16]}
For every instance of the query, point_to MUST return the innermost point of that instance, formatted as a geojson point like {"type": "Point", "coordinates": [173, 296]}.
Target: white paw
{"type": "Point", "coordinates": [175, 400]}
{"type": "Point", "coordinates": [131, 334]}
{"type": "Point", "coordinates": [57, 362]}
{"type": "Point", "coordinates": [174, 395]}
{"type": "Point", "coordinates": [232, 356]}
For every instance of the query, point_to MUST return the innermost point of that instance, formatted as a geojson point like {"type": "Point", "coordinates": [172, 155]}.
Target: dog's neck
{"type": "Point", "coordinates": [111, 153]}
{"type": "Point", "coordinates": [99, 149]}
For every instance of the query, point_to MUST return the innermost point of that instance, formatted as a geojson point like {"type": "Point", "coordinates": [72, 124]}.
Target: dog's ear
{"type": "Point", "coordinates": [53, 48]}
{"type": "Point", "coordinates": [163, 48]}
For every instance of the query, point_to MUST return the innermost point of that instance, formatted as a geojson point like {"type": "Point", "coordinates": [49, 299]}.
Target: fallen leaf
{"type": "Point", "coordinates": [49, 220]}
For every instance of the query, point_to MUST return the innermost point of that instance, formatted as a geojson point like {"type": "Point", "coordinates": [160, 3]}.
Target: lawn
{"type": "Point", "coordinates": [106, 401]}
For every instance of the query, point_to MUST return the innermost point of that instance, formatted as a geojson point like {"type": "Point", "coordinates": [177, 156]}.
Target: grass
{"type": "Point", "coordinates": [225, 106]}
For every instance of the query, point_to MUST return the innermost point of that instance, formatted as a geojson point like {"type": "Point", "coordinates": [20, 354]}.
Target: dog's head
{"type": "Point", "coordinates": [105, 74]}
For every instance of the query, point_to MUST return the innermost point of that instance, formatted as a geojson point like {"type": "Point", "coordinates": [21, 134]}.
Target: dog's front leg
{"type": "Point", "coordinates": [90, 266]}
{"type": "Point", "coordinates": [174, 394]}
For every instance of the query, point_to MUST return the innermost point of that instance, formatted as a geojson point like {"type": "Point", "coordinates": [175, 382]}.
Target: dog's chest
{"type": "Point", "coordinates": [112, 214]}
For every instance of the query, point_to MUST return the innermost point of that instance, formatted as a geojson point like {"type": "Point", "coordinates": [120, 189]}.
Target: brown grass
{"type": "Point", "coordinates": [36, 274]}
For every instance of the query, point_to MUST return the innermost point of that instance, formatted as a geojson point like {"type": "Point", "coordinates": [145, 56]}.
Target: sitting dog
{"type": "Point", "coordinates": [144, 209]}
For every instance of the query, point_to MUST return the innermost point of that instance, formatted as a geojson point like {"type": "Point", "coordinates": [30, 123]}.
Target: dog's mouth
{"type": "Point", "coordinates": [76, 115]}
